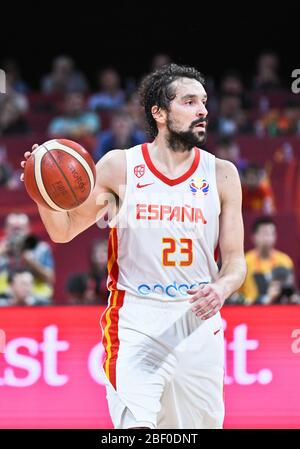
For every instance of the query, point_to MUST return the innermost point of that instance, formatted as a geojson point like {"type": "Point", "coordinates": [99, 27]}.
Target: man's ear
{"type": "Point", "coordinates": [159, 114]}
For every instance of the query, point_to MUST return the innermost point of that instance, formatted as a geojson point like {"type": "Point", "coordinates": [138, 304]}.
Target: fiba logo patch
{"type": "Point", "coordinates": [199, 187]}
{"type": "Point", "coordinates": [139, 170]}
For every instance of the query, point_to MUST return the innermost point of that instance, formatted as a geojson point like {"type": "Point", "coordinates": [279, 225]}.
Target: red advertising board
{"type": "Point", "coordinates": [50, 378]}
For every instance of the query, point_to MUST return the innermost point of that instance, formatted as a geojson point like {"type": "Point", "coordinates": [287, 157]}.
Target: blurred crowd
{"type": "Point", "coordinates": [107, 114]}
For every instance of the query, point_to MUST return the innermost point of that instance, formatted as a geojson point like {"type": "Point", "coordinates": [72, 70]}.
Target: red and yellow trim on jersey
{"type": "Point", "coordinates": [112, 264]}
{"type": "Point", "coordinates": [111, 343]}
{"type": "Point", "coordinates": [110, 318]}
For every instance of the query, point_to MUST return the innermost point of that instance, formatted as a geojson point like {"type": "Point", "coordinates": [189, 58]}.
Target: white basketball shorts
{"type": "Point", "coordinates": [164, 367]}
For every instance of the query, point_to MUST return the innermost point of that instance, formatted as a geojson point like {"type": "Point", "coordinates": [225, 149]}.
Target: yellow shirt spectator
{"type": "Point", "coordinates": [260, 272]}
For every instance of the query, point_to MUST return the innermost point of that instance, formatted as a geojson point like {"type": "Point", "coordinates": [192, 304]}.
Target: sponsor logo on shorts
{"type": "Point", "coordinates": [171, 290]}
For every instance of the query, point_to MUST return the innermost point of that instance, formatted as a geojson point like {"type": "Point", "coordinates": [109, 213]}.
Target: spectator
{"type": "Point", "coordinates": [12, 120]}
{"type": "Point", "coordinates": [13, 76]}
{"type": "Point", "coordinates": [98, 270]}
{"type": "Point", "coordinates": [229, 150]}
{"type": "Point", "coordinates": [20, 283]}
{"type": "Point", "coordinates": [77, 287]}
{"type": "Point", "coordinates": [64, 78]}
{"type": "Point", "coordinates": [9, 178]}
{"type": "Point", "coordinates": [281, 122]}
{"type": "Point", "coordinates": [122, 135]}
{"type": "Point", "coordinates": [231, 84]}
{"type": "Point", "coordinates": [13, 109]}
{"type": "Point", "coordinates": [5, 174]}
{"type": "Point", "coordinates": [231, 118]}
{"type": "Point", "coordinates": [90, 288]}
{"type": "Point", "coordinates": [257, 191]}
{"type": "Point", "coordinates": [267, 77]}
{"type": "Point", "coordinates": [262, 263]}
{"type": "Point", "coordinates": [110, 96]}
{"type": "Point", "coordinates": [21, 249]}
{"type": "Point", "coordinates": [159, 60]}
{"type": "Point", "coordinates": [19, 100]}
{"type": "Point", "coordinates": [76, 122]}
{"type": "Point", "coordinates": [281, 289]}
{"type": "Point", "coordinates": [289, 119]}
{"type": "Point", "coordinates": [134, 108]}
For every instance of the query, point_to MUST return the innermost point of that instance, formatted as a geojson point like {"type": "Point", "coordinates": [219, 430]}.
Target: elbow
{"type": "Point", "coordinates": [243, 271]}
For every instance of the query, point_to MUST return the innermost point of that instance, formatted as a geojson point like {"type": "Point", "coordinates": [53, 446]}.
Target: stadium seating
{"type": "Point", "coordinates": [279, 155]}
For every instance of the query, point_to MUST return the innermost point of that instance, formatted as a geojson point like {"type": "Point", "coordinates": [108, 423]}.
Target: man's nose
{"type": "Point", "coordinates": [202, 111]}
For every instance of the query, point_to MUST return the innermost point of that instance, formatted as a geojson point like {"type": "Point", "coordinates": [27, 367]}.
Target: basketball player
{"type": "Point", "coordinates": [162, 330]}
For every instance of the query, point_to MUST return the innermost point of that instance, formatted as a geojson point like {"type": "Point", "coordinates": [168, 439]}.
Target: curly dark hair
{"type": "Point", "coordinates": [156, 89]}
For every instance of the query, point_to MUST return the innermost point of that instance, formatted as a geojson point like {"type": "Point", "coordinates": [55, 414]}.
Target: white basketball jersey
{"type": "Point", "coordinates": [163, 241]}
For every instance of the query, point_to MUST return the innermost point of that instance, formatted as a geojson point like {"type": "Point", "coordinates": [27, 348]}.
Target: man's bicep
{"type": "Point", "coordinates": [101, 200]}
{"type": "Point", "coordinates": [231, 239]}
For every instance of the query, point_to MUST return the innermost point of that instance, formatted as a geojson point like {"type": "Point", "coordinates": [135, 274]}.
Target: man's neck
{"type": "Point", "coordinates": [19, 302]}
{"type": "Point", "coordinates": [167, 160]}
{"type": "Point", "coordinates": [265, 253]}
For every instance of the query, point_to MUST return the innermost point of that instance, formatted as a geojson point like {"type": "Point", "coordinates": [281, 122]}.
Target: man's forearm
{"type": "Point", "coordinates": [231, 276]}
{"type": "Point", "coordinates": [56, 223]}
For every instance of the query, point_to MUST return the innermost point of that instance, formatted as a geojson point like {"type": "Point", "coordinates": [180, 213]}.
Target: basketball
{"type": "Point", "coordinates": [60, 175]}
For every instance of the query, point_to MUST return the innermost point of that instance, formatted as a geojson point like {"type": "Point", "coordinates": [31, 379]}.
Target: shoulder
{"type": "Point", "coordinates": [284, 259]}
{"type": "Point", "coordinates": [250, 255]}
{"type": "Point", "coordinates": [117, 158]}
{"type": "Point", "coordinates": [228, 179]}
{"type": "Point", "coordinates": [113, 159]}
{"type": "Point", "coordinates": [111, 170]}
{"type": "Point", "coordinates": [226, 168]}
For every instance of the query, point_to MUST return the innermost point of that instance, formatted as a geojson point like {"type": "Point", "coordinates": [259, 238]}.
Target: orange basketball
{"type": "Point", "coordinates": [60, 174]}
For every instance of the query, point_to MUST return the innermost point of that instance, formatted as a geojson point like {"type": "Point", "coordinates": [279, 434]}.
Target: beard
{"type": "Point", "coordinates": [185, 140]}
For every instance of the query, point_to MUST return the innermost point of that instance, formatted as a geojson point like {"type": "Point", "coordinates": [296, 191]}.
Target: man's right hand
{"type": "Point", "coordinates": [27, 154]}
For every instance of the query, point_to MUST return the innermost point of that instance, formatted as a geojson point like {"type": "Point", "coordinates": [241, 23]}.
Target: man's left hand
{"type": "Point", "coordinates": [207, 300]}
